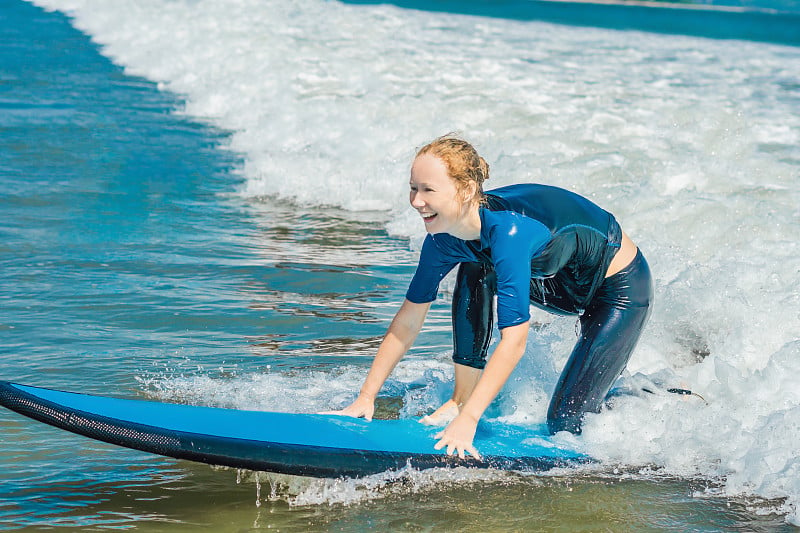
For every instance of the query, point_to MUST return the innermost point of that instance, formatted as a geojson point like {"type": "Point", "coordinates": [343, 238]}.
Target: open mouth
{"type": "Point", "coordinates": [428, 217]}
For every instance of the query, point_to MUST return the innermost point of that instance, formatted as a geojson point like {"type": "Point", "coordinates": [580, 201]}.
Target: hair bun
{"type": "Point", "coordinates": [484, 169]}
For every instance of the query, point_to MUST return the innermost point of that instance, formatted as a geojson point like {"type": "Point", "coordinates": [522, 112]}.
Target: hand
{"type": "Point", "coordinates": [362, 407]}
{"type": "Point", "coordinates": [442, 416]}
{"type": "Point", "coordinates": [458, 436]}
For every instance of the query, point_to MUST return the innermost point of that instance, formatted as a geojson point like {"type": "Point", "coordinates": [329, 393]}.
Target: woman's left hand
{"type": "Point", "coordinates": [458, 436]}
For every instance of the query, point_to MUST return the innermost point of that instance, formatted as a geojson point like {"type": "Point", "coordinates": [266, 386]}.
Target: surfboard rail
{"type": "Point", "coordinates": [226, 449]}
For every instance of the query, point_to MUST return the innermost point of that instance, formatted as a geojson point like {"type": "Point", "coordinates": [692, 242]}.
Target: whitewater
{"type": "Point", "coordinates": [694, 144]}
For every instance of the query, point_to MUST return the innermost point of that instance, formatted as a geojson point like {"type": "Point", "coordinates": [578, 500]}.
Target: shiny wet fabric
{"type": "Point", "coordinates": [610, 328]}
{"type": "Point", "coordinates": [473, 299]}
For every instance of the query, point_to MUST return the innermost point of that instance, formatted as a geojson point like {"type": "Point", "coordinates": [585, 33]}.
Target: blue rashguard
{"type": "Point", "coordinates": [547, 246]}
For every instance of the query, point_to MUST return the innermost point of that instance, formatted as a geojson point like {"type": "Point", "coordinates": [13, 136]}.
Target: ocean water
{"type": "Point", "coordinates": [205, 202]}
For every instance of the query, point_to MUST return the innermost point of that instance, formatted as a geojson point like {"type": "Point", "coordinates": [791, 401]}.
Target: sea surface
{"type": "Point", "coordinates": [205, 202]}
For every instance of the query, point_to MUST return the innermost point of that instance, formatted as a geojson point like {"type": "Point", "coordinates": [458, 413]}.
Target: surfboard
{"type": "Point", "coordinates": [287, 443]}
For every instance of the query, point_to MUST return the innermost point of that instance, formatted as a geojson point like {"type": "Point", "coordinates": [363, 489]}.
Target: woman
{"type": "Point", "coordinates": [526, 244]}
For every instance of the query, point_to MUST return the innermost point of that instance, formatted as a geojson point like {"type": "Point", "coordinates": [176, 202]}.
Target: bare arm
{"type": "Point", "coordinates": [400, 336]}
{"type": "Point", "coordinates": [458, 435]}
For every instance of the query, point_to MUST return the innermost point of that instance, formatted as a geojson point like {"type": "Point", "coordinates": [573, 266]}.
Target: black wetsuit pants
{"type": "Point", "coordinates": [610, 328]}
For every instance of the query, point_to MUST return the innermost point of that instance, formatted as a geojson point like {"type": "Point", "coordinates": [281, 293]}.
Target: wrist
{"type": "Point", "coordinates": [469, 414]}
{"type": "Point", "coordinates": [366, 396]}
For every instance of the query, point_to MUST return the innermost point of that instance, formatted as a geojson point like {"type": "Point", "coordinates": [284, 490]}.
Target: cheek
{"type": "Point", "coordinates": [457, 206]}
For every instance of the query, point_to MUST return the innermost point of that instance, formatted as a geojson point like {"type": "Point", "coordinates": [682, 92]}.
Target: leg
{"type": "Point", "coordinates": [472, 314]}
{"type": "Point", "coordinates": [473, 300]}
{"type": "Point", "coordinates": [610, 328]}
{"type": "Point", "coordinates": [466, 378]}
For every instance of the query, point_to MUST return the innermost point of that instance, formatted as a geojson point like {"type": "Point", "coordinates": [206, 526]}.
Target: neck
{"type": "Point", "coordinates": [470, 227]}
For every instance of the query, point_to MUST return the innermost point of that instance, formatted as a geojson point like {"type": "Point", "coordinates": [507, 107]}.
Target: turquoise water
{"type": "Point", "coordinates": [119, 243]}
{"type": "Point", "coordinates": [776, 21]}
{"type": "Point", "coordinates": [123, 257]}
{"type": "Point", "coordinates": [132, 265]}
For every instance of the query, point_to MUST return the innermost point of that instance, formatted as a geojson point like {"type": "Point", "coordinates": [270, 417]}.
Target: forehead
{"type": "Point", "coordinates": [429, 169]}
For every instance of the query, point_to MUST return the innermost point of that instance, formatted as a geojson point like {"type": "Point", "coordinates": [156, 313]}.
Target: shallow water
{"type": "Point", "coordinates": [187, 497]}
{"type": "Point", "coordinates": [143, 257]}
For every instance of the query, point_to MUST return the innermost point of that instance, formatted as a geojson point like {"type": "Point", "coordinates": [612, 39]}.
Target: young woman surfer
{"type": "Point", "coordinates": [525, 244]}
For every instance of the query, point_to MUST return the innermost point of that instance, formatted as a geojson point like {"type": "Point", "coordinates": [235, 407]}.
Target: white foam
{"type": "Point", "coordinates": [692, 143]}
{"type": "Point", "coordinates": [303, 491]}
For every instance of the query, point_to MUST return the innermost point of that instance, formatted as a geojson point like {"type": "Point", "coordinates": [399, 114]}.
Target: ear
{"type": "Point", "coordinates": [469, 192]}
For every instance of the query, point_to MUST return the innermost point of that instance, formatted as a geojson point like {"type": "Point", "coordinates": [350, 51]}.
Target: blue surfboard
{"type": "Point", "coordinates": [298, 444]}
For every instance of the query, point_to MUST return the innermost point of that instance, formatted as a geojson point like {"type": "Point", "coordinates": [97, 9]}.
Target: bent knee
{"type": "Point", "coordinates": [473, 361]}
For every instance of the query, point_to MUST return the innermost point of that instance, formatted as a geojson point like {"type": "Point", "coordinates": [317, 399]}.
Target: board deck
{"type": "Point", "coordinates": [287, 443]}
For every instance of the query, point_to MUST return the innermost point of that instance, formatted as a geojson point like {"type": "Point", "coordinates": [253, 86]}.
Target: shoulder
{"type": "Point", "coordinates": [442, 242]}
{"type": "Point", "coordinates": [444, 248]}
{"type": "Point", "coordinates": [511, 227]}
{"type": "Point", "coordinates": [521, 196]}
{"type": "Point", "coordinates": [554, 207]}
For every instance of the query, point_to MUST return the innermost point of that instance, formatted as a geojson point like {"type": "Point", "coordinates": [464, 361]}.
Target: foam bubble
{"type": "Point", "coordinates": [304, 491]}
{"type": "Point", "coordinates": [692, 143]}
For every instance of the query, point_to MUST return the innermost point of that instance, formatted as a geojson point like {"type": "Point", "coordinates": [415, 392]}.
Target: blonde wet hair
{"type": "Point", "coordinates": [464, 165]}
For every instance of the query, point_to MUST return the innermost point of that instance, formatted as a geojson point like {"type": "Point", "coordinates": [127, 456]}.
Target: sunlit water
{"type": "Point", "coordinates": [223, 222]}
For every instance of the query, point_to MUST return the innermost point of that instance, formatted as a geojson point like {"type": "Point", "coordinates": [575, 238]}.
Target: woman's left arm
{"type": "Point", "coordinates": [458, 435]}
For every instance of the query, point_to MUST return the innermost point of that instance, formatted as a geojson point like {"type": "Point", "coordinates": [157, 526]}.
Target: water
{"type": "Point", "coordinates": [775, 21]}
{"type": "Point", "coordinates": [220, 219]}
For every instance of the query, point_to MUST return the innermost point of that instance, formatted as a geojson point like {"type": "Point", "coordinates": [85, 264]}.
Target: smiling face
{"type": "Point", "coordinates": [443, 207]}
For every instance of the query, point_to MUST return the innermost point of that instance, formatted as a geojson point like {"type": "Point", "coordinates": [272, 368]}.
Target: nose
{"type": "Point", "coordinates": [416, 199]}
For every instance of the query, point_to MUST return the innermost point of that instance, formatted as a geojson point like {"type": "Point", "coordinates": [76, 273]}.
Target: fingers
{"type": "Point", "coordinates": [345, 412]}
{"type": "Point", "coordinates": [341, 412]}
{"type": "Point", "coordinates": [454, 448]}
{"type": "Point", "coordinates": [474, 453]}
{"type": "Point", "coordinates": [367, 412]}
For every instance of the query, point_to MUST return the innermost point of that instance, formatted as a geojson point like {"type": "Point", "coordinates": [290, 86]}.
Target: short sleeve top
{"type": "Point", "coordinates": [529, 233]}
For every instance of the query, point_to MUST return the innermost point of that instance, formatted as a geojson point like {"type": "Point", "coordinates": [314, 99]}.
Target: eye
{"type": "Point", "coordinates": [425, 188]}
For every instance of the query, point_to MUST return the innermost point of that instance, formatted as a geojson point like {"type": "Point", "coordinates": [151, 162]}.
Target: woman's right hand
{"type": "Point", "coordinates": [362, 407]}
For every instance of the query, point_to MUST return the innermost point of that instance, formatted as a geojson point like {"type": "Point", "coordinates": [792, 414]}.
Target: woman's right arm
{"type": "Point", "coordinates": [402, 332]}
